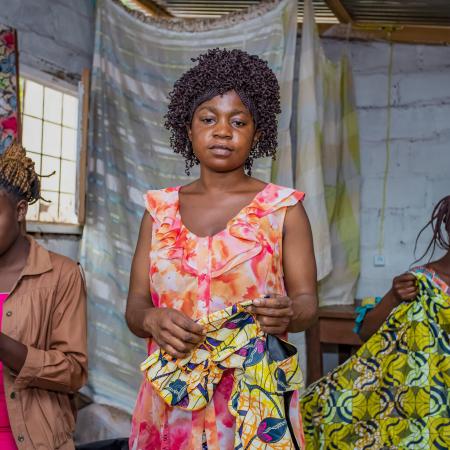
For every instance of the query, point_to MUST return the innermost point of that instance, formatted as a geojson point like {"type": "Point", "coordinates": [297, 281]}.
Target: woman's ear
{"type": "Point", "coordinates": [21, 210]}
{"type": "Point", "coordinates": [189, 131]}
{"type": "Point", "coordinates": [256, 137]}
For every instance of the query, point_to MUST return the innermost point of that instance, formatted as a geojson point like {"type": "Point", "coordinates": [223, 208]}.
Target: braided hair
{"type": "Point", "coordinates": [18, 176]}
{"type": "Point", "coordinates": [219, 71]}
{"type": "Point", "coordinates": [440, 224]}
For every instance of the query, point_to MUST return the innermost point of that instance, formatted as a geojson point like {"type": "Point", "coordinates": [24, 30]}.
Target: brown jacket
{"type": "Point", "coordinates": [46, 311]}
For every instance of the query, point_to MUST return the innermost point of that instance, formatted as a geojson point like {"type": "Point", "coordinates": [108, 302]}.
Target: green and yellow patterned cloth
{"type": "Point", "coordinates": [394, 393]}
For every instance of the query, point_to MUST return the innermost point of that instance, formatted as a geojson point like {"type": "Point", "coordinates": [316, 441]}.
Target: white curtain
{"type": "Point", "coordinates": [328, 164]}
{"type": "Point", "coordinates": [136, 61]}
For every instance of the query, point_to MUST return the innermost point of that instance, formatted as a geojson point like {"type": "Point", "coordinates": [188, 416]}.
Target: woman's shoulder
{"type": "Point", "coordinates": [274, 196]}
{"type": "Point", "coordinates": [161, 201]}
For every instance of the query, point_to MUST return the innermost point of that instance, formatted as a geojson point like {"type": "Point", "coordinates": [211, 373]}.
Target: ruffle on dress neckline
{"type": "Point", "coordinates": [239, 241]}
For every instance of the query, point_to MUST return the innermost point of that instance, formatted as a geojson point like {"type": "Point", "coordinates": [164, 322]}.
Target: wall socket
{"type": "Point", "coordinates": [379, 261]}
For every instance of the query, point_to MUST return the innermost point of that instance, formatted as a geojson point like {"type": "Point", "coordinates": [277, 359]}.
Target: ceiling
{"type": "Point", "coordinates": [389, 12]}
{"type": "Point", "coordinates": [411, 12]}
{"type": "Point", "coordinates": [217, 8]}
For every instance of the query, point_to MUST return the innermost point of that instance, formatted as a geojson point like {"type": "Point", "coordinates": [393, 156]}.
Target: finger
{"type": "Point", "coordinates": [177, 344]}
{"type": "Point", "coordinates": [412, 280]}
{"type": "Point", "coordinates": [409, 295]}
{"type": "Point", "coordinates": [407, 277]}
{"type": "Point", "coordinates": [272, 322]}
{"type": "Point", "coordinates": [272, 302]}
{"type": "Point", "coordinates": [186, 336]}
{"type": "Point", "coordinates": [172, 352]}
{"type": "Point", "coordinates": [272, 312]}
{"type": "Point", "coordinates": [188, 324]}
{"type": "Point", "coordinates": [408, 291]}
{"type": "Point", "coordinates": [276, 331]}
{"type": "Point", "coordinates": [405, 284]}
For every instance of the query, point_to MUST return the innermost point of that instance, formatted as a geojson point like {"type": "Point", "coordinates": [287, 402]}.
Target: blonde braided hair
{"type": "Point", "coordinates": [17, 174]}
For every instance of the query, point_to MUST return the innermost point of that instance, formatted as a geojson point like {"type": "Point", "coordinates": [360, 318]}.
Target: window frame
{"type": "Point", "coordinates": [81, 91]}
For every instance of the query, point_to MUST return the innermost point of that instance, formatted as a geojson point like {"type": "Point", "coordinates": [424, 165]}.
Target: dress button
{"type": "Point", "coordinates": [13, 395]}
{"type": "Point", "coordinates": [20, 438]}
{"type": "Point", "coordinates": [9, 313]}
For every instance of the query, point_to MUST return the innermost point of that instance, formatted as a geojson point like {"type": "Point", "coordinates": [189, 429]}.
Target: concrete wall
{"type": "Point", "coordinates": [419, 161]}
{"type": "Point", "coordinates": [420, 148]}
{"type": "Point", "coordinates": [55, 36]}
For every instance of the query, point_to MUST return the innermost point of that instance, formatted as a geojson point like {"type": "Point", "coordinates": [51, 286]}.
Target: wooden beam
{"type": "Point", "coordinates": [339, 11]}
{"type": "Point", "coordinates": [154, 9]}
{"type": "Point", "coordinates": [85, 80]}
{"type": "Point", "coordinates": [406, 34]}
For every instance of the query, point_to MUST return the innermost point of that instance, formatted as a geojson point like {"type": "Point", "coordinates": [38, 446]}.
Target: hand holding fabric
{"type": "Point", "coordinates": [404, 287]}
{"type": "Point", "coordinates": [274, 313]}
{"type": "Point", "coordinates": [174, 332]}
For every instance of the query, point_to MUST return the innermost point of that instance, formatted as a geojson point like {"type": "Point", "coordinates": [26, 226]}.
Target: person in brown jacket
{"type": "Point", "coordinates": [43, 348]}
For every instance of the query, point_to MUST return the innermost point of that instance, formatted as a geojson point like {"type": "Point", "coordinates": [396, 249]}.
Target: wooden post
{"type": "Point", "coordinates": [85, 79]}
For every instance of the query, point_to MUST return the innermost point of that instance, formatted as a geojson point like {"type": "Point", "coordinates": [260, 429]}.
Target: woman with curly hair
{"type": "Point", "coordinates": [224, 239]}
{"type": "Point", "coordinates": [43, 350]}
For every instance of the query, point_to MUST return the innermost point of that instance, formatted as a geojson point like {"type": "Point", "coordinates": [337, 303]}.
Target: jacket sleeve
{"type": "Point", "coordinates": [63, 367]}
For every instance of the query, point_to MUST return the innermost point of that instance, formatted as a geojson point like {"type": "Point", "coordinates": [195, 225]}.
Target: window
{"type": "Point", "coordinates": [50, 125]}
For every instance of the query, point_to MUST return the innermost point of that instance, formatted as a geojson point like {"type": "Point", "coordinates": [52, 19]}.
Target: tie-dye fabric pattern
{"type": "Point", "coordinates": [201, 275]}
{"type": "Point", "coordinates": [394, 392]}
{"type": "Point", "coordinates": [266, 374]}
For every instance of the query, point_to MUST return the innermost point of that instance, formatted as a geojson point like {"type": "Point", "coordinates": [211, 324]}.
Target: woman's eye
{"type": "Point", "coordinates": [207, 120]}
{"type": "Point", "coordinates": [238, 123]}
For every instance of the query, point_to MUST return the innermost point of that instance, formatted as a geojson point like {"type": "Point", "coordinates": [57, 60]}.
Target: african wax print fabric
{"type": "Point", "coordinates": [266, 374]}
{"type": "Point", "coordinates": [394, 392]}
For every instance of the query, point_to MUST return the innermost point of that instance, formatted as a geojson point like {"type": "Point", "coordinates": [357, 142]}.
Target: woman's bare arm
{"type": "Point", "coordinates": [139, 302]}
{"type": "Point", "coordinates": [299, 265]}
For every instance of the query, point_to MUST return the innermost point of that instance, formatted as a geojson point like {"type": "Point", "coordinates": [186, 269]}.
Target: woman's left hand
{"type": "Point", "coordinates": [274, 313]}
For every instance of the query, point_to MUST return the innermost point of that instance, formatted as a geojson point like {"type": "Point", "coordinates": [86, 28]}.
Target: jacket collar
{"type": "Point", "coordinates": [38, 261]}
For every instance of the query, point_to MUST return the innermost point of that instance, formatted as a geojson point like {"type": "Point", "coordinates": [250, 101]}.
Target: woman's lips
{"type": "Point", "coordinates": [218, 150]}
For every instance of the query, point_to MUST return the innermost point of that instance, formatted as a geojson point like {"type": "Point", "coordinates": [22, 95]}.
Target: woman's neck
{"type": "Point", "coordinates": [15, 258]}
{"type": "Point", "coordinates": [442, 267]}
{"type": "Point", "coordinates": [222, 182]}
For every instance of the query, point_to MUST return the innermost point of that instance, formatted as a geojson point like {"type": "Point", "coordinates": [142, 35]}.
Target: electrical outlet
{"type": "Point", "coordinates": [378, 261]}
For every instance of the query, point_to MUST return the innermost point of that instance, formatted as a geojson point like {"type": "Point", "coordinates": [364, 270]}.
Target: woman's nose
{"type": "Point", "coordinates": [223, 129]}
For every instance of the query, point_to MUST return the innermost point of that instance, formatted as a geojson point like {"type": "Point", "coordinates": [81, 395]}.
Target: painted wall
{"type": "Point", "coordinates": [55, 36]}
{"type": "Point", "coordinates": [419, 162]}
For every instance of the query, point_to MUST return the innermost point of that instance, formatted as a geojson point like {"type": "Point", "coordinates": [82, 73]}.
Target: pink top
{"type": "Point", "coordinates": [7, 441]}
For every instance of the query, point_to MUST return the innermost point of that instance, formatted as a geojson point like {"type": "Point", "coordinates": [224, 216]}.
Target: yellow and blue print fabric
{"type": "Point", "coordinates": [266, 372]}
{"type": "Point", "coordinates": [394, 393]}
{"type": "Point", "coordinates": [367, 304]}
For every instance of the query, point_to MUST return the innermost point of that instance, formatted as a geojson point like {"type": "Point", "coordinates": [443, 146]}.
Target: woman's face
{"type": "Point", "coordinates": [222, 133]}
{"type": "Point", "coordinates": [11, 215]}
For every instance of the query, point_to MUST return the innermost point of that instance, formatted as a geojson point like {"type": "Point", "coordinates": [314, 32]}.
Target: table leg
{"type": "Point", "coordinates": [314, 354]}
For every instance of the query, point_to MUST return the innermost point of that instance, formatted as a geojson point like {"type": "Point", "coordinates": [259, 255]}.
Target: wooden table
{"type": "Point", "coordinates": [334, 326]}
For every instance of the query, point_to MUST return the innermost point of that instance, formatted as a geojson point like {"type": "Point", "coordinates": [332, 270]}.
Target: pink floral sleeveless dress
{"type": "Point", "coordinates": [200, 275]}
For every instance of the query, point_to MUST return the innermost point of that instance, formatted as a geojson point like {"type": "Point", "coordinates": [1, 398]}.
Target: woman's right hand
{"type": "Point", "coordinates": [174, 332]}
{"type": "Point", "coordinates": [404, 287]}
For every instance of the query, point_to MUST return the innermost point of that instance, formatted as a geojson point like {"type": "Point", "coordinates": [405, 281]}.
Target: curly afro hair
{"type": "Point", "coordinates": [217, 72]}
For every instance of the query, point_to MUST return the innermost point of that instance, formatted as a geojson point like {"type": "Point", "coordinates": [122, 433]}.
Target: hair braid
{"type": "Point", "coordinates": [17, 174]}
{"type": "Point", "coordinates": [440, 224]}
